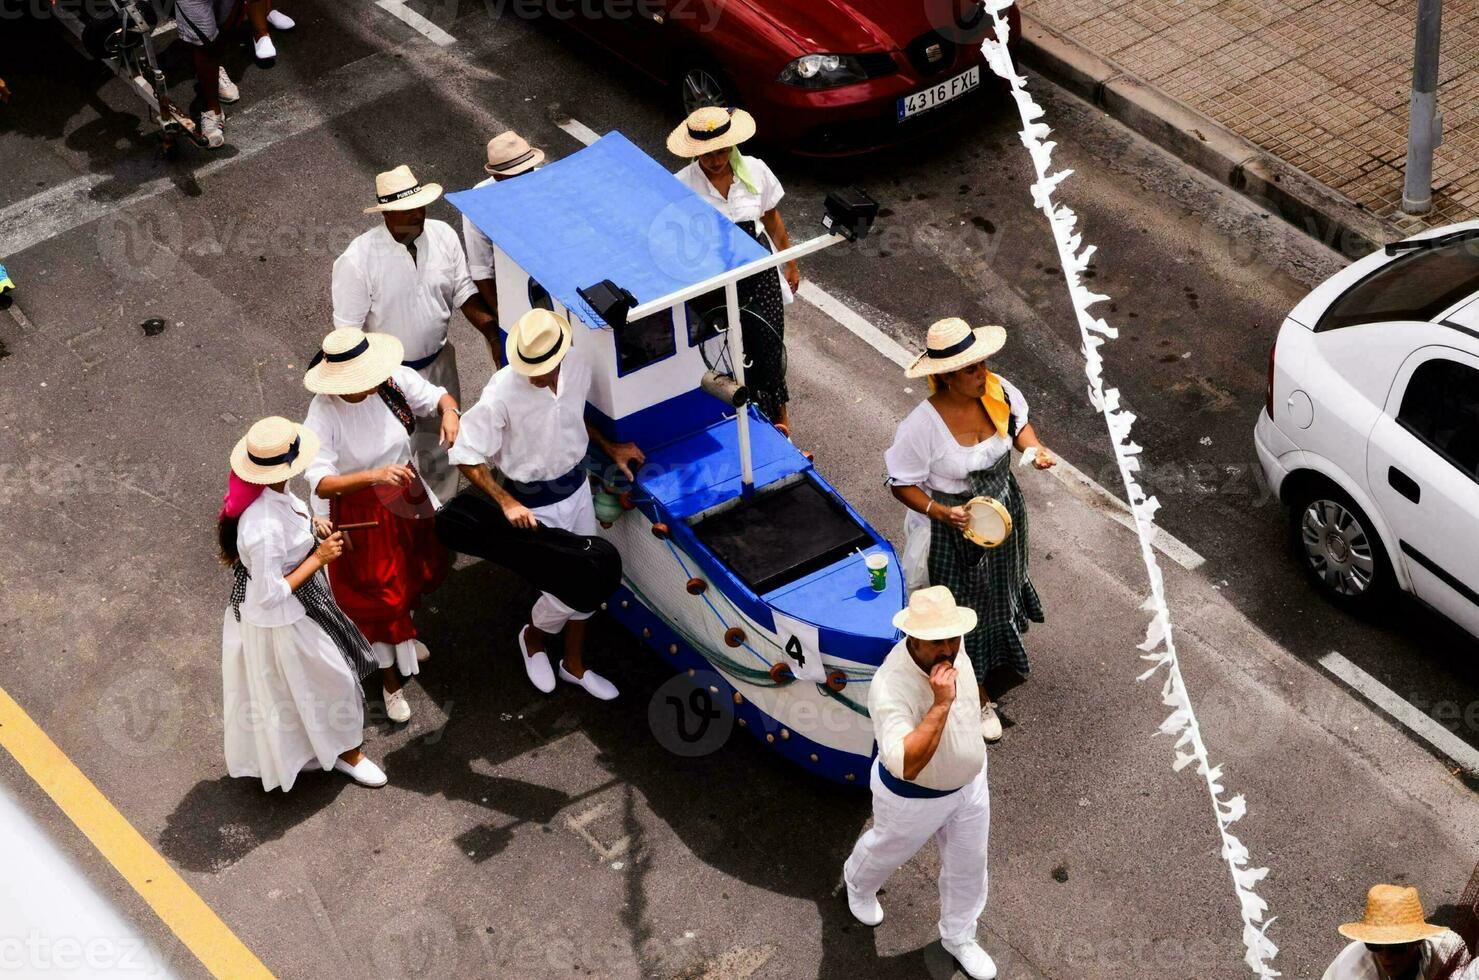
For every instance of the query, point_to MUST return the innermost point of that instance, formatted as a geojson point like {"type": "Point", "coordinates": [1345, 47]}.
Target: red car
{"type": "Point", "coordinates": [822, 77]}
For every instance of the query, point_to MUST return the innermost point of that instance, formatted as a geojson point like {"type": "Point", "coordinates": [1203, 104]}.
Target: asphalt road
{"type": "Point", "coordinates": [525, 836]}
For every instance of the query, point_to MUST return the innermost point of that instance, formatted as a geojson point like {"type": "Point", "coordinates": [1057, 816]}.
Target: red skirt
{"type": "Point", "coordinates": [385, 570]}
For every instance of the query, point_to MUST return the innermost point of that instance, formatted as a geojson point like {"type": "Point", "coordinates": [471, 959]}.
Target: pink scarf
{"type": "Point", "coordinates": [239, 496]}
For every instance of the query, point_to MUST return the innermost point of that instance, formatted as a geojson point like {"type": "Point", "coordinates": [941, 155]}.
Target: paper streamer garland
{"type": "Point", "coordinates": [1159, 646]}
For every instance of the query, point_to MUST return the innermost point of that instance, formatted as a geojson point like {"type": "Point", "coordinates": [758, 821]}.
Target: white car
{"type": "Point", "coordinates": [1370, 433]}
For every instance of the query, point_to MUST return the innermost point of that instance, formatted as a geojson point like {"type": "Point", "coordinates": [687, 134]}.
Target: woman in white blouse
{"type": "Point", "coordinates": [954, 446]}
{"type": "Point", "coordinates": [745, 190]}
{"type": "Point", "coordinates": [291, 662]}
{"type": "Point", "coordinates": [365, 412]}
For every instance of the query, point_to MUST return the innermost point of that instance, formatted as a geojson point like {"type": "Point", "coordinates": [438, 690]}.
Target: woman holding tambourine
{"type": "Point", "coordinates": [951, 465]}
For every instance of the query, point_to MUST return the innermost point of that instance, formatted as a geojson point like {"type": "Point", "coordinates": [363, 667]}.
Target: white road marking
{"type": "Point", "coordinates": [417, 23]}
{"type": "Point", "coordinates": [1406, 714]}
{"type": "Point", "coordinates": [580, 131]}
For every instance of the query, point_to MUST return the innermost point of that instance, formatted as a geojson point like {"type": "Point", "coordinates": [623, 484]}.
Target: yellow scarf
{"type": "Point", "coordinates": [994, 401]}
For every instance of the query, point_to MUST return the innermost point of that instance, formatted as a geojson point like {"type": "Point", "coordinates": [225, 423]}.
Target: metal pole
{"type": "Point", "coordinates": [737, 360]}
{"type": "Point", "coordinates": [1424, 126]}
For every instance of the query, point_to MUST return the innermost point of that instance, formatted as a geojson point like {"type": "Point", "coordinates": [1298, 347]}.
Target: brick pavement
{"type": "Point", "coordinates": [1322, 84]}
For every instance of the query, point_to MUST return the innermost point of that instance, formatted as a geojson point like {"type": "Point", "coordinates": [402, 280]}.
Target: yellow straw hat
{"type": "Point", "coordinates": [1394, 915]}
{"type": "Point", "coordinates": [274, 449]}
{"type": "Point", "coordinates": [710, 128]}
{"type": "Point", "coordinates": [353, 361]}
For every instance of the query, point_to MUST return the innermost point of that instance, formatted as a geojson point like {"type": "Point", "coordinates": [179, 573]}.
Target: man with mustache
{"type": "Point", "coordinates": [929, 779]}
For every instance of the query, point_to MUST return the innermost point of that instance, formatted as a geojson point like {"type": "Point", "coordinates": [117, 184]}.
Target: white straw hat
{"type": "Point", "coordinates": [538, 342]}
{"type": "Point", "coordinates": [509, 154]}
{"type": "Point", "coordinates": [933, 615]}
{"type": "Point", "coordinates": [399, 190]}
{"type": "Point", "coordinates": [951, 344]}
{"type": "Point", "coordinates": [274, 450]}
{"type": "Point", "coordinates": [353, 361]}
{"type": "Point", "coordinates": [711, 128]}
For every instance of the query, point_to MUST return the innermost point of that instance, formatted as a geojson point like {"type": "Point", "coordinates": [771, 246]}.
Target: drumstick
{"type": "Point", "coordinates": [357, 527]}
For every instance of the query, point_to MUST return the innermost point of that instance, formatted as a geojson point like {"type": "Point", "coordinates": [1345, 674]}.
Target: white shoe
{"type": "Point", "coordinates": [397, 708]}
{"type": "Point", "coordinates": [226, 89]}
{"type": "Point", "coordinates": [974, 961]}
{"type": "Point", "coordinates": [990, 723]}
{"type": "Point", "coordinates": [541, 674]}
{"type": "Point", "coordinates": [264, 48]}
{"type": "Point", "coordinates": [364, 772]}
{"type": "Point", "coordinates": [280, 21]}
{"type": "Point", "coordinates": [422, 654]}
{"type": "Point", "coordinates": [213, 128]}
{"type": "Point", "coordinates": [864, 908]}
{"type": "Point", "coordinates": [595, 685]}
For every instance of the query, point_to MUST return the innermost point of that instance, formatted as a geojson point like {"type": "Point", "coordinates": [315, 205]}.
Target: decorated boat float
{"type": "Point", "coordinates": [742, 565]}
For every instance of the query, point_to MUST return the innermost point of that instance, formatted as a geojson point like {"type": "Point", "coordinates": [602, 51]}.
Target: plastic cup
{"type": "Point", "coordinates": [877, 571]}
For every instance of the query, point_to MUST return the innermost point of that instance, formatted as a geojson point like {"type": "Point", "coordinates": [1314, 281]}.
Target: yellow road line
{"type": "Point", "coordinates": [176, 903]}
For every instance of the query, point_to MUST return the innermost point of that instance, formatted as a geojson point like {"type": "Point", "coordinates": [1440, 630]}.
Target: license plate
{"type": "Point", "coordinates": [935, 95]}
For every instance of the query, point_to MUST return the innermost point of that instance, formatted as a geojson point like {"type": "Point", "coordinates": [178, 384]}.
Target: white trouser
{"type": "Point", "coordinates": [401, 656]}
{"type": "Point", "coordinates": [960, 824]}
{"type": "Point", "coordinates": [576, 514]}
{"type": "Point", "coordinates": [431, 457]}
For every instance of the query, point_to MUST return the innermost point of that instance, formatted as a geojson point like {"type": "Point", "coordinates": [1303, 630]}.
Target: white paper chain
{"type": "Point", "coordinates": [1159, 646]}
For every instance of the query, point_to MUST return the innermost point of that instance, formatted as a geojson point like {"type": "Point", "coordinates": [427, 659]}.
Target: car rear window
{"type": "Point", "coordinates": [1415, 286]}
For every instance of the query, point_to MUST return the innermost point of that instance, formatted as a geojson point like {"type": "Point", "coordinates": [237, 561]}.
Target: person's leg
{"type": "Point", "coordinates": [575, 648]}
{"type": "Point", "coordinates": [256, 14]}
{"type": "Point", "coordinates": [207, 77]}
{"type": "Point", "coordinates": [900, 828]}
{"type": "Point", "coordinates": [390, 678]}
{"type": "Point", "coordinates": [963, 876]}
{"type": "Point", "coordinates": [353, 756]}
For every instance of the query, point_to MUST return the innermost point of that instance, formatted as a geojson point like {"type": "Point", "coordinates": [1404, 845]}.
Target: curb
{"type": "Point", "coordinates": [1209, 146]}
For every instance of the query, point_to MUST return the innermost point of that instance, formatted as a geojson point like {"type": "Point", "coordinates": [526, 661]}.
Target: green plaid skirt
{"type": "Point", "coordinates": [992, 581]}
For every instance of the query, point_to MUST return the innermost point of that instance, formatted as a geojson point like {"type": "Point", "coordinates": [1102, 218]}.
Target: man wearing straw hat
{"type": "Point", "coordinates": [929, 779]}
{"type": "Point", "coordinates": [509, 155]}
{"type": "Point", "coordinates": [1393, 942]}
{"type": "Point", "coordinates": [405, 277]}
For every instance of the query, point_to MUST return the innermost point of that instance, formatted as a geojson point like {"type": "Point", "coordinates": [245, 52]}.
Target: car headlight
{"type": "Point", "coordinates": [824, 71]}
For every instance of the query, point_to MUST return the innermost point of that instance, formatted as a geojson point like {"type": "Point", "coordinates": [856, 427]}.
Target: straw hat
{"type": "Point", "coordinates": [933, 615]}
{"type": "Point", "coordinates": [509, 154]}
{"type": "Point", "coordinates": [711, 128]}
{"type": "Point", "coordinates": [951, 344]}
{"type": "Point", "coordinates": [399, 190]}
{"type": "Point", "coordinates": [353, 361]}
{"type": "Point", "coordinates": [274, 450]}
{"type": "Point", "coordinates": [538, 342]}
{"type": "Point", "coordinates": [1394, 915]}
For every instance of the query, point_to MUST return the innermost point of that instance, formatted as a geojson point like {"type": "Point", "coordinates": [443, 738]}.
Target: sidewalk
{"type": "Point", "coordinates": [1322, 85]}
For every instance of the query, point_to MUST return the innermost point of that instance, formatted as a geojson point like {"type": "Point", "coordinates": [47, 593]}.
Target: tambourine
{"type": "Point", "coordinates": [991, 522]}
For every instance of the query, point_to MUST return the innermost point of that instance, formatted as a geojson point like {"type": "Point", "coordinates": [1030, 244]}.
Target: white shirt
{"type": "Point", "coordinates": [377, 287]}
{"type": "Point", "coordinates": [479, 246]}
{"type": "Point", "coordinates": [529, 434]}
{"type": "Point", "coordinates": [1355, 963]}
{"type": "Point", "coordinates": [273, 537]}
{"type": "Point", "coordinates": [900, 698]}
{"type": "Point", "coordinates": [742, 204]}
{"type": "Point", "coordinates": [926, 454]}
{"type": "Point", "coordinates": [362, 435]}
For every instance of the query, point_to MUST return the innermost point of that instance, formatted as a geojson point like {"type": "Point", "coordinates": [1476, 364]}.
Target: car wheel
{"type": "Point", "coordinates": [699, 83]}
{"type": "Point", "coordinates": [1339, 548]}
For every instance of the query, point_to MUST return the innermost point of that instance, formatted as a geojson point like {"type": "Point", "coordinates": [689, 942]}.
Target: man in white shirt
{"type": "Point", "coordinates": [930, 776]}
{"type": "Point", "coordinates": [509, 155]}
{"type": "Point", "coordinates": [405, 277]}
{"type": "Point", "coordinates": [530, 424]}
{"type": "Point", "coordinates": [1392, 942]}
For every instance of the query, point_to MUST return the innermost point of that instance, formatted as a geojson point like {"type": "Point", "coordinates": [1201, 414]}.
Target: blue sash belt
{"type": "Point", "coordinates": [913, 791]}
{"type": "Point", "coordinates": [425, 362]}
{"type": "Point", "coordinates": [547, 492]}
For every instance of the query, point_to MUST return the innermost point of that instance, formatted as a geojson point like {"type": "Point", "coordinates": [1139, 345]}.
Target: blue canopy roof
{"type": "Point", "coordinates": [607, 212]}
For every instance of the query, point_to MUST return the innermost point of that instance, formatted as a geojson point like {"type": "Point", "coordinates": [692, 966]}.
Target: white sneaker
{"type": "Point", "coordinates": [264, 48]}
{"type": "Point", "coordinates": [213, 128]}
{"type": "Point", "coordinates": [990, 723]}
{"type": "Point", "coordinates": [595, 685]}
{"type": "Point", "coordinates": [280, 21]}
{"type": "Point", "coordinates": [226, 89]}
{"type": "Point", "coordinates": [864, 908]}
{"type": "Point", "coordinates": [422, 654]}
{"type": "Point", "coordinates": [974, 961]}
{"type": "Point", "coordinates": [364, 772]}
{"type": "Point", "coordinates": [541, 674]}
{"type": "Point", "coordinates": [397, 708]}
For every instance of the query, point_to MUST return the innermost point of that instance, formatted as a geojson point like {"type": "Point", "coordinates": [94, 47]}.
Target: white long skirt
{"type": "Point", "coordinates": [291, 701]}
